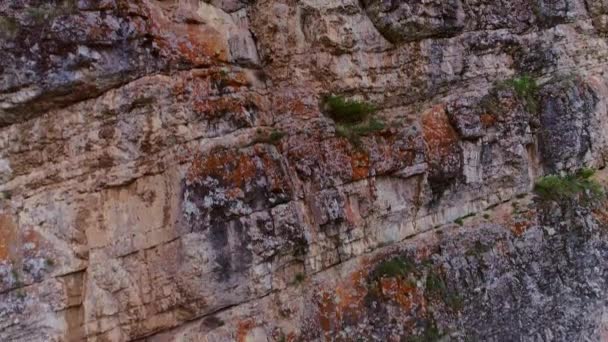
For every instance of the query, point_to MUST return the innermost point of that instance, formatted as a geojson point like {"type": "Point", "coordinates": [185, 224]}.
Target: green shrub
{"type": "Point", "coordinates": [347, 111]}
{"type": "Point", "coordinates": [527, 90]}
{"type": "Point", "coordinates": [393, 268]}
{"type": "Point", "coordinates": [577, 185]}
{"type": "Point", "coordinates": [354, 132]}
{"type": "Point", "coordinates": [353, 118]}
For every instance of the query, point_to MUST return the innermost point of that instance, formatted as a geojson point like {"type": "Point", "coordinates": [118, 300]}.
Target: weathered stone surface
{"type": "Point", "coordinates": [565, 118]}
{"type": "Point", "coordinates": [167, 173]}
{"type": "Point", "coordinates": [413, 20]}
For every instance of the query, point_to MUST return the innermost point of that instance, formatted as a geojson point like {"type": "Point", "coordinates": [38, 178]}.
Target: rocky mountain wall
{"type": "Point", "coordinates": [168, 171]}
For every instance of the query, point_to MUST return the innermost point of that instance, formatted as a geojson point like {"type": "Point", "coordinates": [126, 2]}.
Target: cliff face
{"type": "Point", "coordinates": [168, 171]}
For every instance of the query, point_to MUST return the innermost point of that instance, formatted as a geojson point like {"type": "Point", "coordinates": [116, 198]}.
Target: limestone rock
{"type": "Point", "coordinates": [168, 171]}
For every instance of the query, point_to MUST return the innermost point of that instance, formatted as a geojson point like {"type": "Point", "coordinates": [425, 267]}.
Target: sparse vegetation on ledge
{"type": "Point", "coordinates": [579, 185]}
{"type": "Point", "coordinates": [354, 119]}
{"type": "Point", "coordinates": [393, 268]}
{"type": "Point", "coordinates": [347, 111]}
{"type": "Point", "coordinates": [354, 132]}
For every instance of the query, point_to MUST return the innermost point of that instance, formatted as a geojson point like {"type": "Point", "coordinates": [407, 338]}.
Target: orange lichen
{"type": "Point", "coordinates": [327, 310]}
{"type": "Point", "coordinates": [197, 44]}
{"type": "Point", "coordinates": [231, 166]}
{"type": "Point", "coordinates": [523, 223]}
{"type": "Point", "coordinates": [244, 327]}
{"type": "Point", "coordinates": [351, 212]}
{"type": "Point", "coordinates": [519, 227]}
{"type": "Point", "coordinates": [218, 107]}
{"type": "Point", "coordinates": [295, 107]}
{"type": "Point", "coordinates": [276, 180]}
{"type": "Point", "coordinates": [439, 135]}
{"type": "Point", "coordinates": [8, 236]}
{"type": "Point", "coordinates": [178, 89]}
{"type": "Point", "coordinates": [400, 291]}
{"type": "Point", "coordinates": [345, 301]}
{"type": "Point", "coordinates": [30, 236]}
{"type": "Point", "coordinates": [487, 120]}
{"type": "Point", "coordinates": [360, 165]}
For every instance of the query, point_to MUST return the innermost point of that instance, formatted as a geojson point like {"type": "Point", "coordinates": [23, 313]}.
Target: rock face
{"type": "Point", "coordinates": [167, 171]}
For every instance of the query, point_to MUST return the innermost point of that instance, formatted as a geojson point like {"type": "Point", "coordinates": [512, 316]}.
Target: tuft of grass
{"type": "Point", "coordinates": [354, 132]}
{"type": "Point", "coordinates": [273, 138]}
{"type": "Point", "coordinates": [562, 187]}
{"type": "Point", "coordinates": [347, 111]}
{"type": "Point", "coordinates": [460, 221]}
{"type": "Point", "coordinates": [394, 268]}
{"type": "Point", "coordinates": [353, 118]}
{"type": "Point", "coordinates": [527, 90]}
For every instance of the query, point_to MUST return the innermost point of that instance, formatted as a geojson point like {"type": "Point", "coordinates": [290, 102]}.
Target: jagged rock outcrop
{"type": "Point", "coordinates": [168, 172]}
